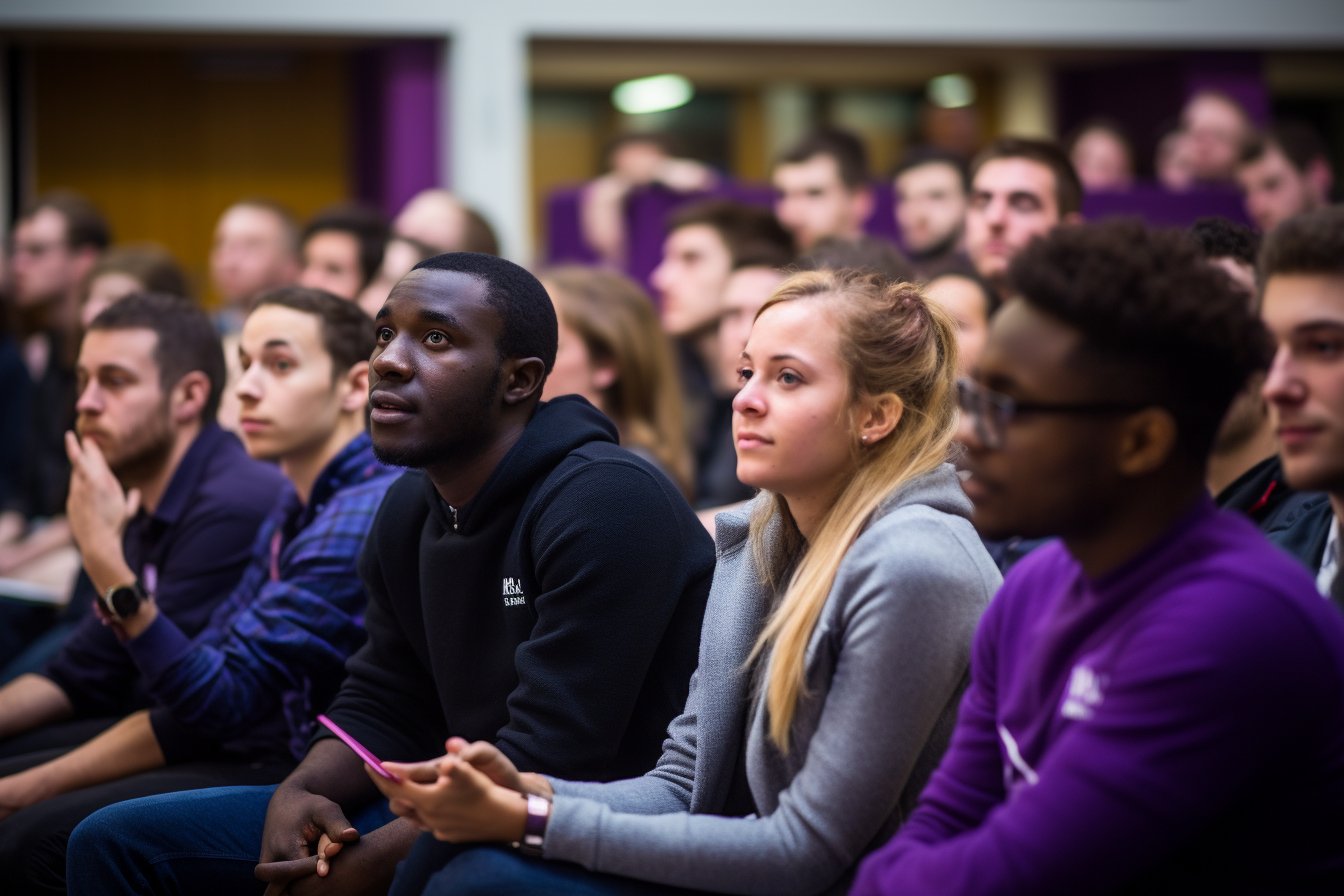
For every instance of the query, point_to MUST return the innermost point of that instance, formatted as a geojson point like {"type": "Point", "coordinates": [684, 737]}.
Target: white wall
{"type": "Point", "coordinates": [487, 83]}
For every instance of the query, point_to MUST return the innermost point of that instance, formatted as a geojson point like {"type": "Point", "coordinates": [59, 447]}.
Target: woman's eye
{"type": "Point", "coordinates": [743, 374]}
{"type": "Point", "coordinates": [789, 378]}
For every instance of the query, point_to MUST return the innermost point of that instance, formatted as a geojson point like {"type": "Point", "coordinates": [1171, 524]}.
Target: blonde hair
{"type": "Point", "coordinates": [893, 341]}
{"type": "Point", "coordinates": [619, 326]}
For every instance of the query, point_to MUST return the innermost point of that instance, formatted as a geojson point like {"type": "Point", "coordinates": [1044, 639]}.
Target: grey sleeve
{"type": "Point", "coordinates": [911, 601]}
{"type": "Point", "coordinates": [667, 788]}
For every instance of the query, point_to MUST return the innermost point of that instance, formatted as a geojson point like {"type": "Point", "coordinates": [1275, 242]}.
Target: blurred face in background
{"type": "Point", "coordinates": [966, 301]}
{"type": "Point", "coordinates": [814, 203]}
{"type": "Point", "coordinates": [930, 207]}
{"type": "Point", "coordinates": [1012, 201]}
{"type": "Point", "coordinates": [251, 253]}
{"type": "Point", "coordinates": [1275, 190]}
{"type": "Point", "coordinates": [691, 277]}
{"type": "Point", "coordinates": [331, 262]}
{"type": "Point", "coordinates": [1102, 160]}
{"type": "Point", "coordinates": [44, 266]}
{"type": "Point", "coordinates": [104, 290]}
{"type": "Point", "coordinates": [434, 218]}
{"type": "Point", "coordinates": [1216, 128]}
{"type": "Point", "coordinates": [746, 292]}
{"type": "Point", "coordinates": [575, 372]}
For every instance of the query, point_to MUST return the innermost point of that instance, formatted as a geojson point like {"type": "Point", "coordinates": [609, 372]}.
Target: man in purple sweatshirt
{"type": "Point", "coordinates": [1157, 699]}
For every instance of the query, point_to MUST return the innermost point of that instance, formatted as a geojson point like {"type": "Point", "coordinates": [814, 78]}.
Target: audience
{"type": "Point", "coordinates": [1020, 189]}
{"type": "Point", "coordinates": [932, 194]}
{"type": "Point", "coordinates": [256, 248]}
{"type": "Point", "coordinates": [162, 502]}
{"type": "Point", "coordinates": [863, 253]}
{"type": "Point", "coordinates": [971, 302]}
{"type": "Point", "coordinates": [1127, 673]}
{"type": "Point", "coordinates": [576, 670]}
{"type": "Point", "coordinates": [822, 188]}
{"type": "Point", "coordinates": [612, 352]}
{"type": "Point", "coordinates": [1215, 130]}
{"type": "Point", "coordinates": [1103, 157]}
{"type": "Point", "coordinates": [342, 249]}
{"type": "Point", "coordinates": [1174, 163]}
{"type": "Point", "coordinates": [135, 267]}
{"type": "Point", "coordinates": [798, 751]}
{"type": "Point", "coordinates": [1284, 172]}
{"type": "Point", "coordinates": [1302, 276]}
{"type": "Point", "coordinates": [705, 242]}
{"type": "Point", "coordinates": [234, 704]}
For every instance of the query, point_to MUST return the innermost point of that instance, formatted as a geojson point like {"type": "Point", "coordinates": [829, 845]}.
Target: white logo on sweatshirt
{"type": "Point", "coordinates": [1084, 694]}
{"type": "Point", "coordinates": [513, 592]}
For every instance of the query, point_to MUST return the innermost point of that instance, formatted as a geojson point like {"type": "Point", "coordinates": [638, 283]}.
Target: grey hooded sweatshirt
{"type": "Point", "coordinates": [885, 669]}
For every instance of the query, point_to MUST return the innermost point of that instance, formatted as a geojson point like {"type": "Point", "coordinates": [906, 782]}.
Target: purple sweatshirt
{"type": "Point", "coordinates": [1176, 725]}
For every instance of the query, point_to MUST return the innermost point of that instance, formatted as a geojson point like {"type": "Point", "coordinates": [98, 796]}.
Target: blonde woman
{"type": "Point", "coordinates": [613, 352]}
{"type": "Point", "coordinates": [834, 650]}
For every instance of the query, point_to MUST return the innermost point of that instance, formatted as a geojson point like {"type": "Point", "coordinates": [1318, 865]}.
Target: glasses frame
{"type": "Point", "coordinates": [975, 400]}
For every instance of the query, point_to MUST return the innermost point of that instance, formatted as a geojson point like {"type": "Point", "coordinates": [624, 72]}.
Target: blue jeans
{"type": "Point", "coordinates": [445, 869]}
{"type": "Point", "coordinates": [200, 841]}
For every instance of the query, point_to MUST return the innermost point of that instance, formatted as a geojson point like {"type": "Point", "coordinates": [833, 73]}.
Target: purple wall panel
{"type": "Point", "coordinates": [396, 139]}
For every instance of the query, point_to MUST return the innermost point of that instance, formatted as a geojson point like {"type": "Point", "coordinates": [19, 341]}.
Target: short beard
{"type": "Point", "coordinates": [473, 421]}
{"type": "Point", "coordinates": [147, 451]}
{"type": "Point", "coordinates": [938, 248]}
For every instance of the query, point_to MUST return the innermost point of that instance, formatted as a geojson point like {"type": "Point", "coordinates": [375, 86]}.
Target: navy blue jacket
{"type": "Point", "coordinates": [557, 614]}
{"type": "Point", "coordinates": [190, 552]}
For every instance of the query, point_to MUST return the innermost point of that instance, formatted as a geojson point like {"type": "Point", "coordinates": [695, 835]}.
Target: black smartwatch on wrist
{"type": "Point", "coordinates": [122, 601]}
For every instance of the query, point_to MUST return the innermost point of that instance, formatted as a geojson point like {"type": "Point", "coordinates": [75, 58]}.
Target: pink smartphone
{"type": "Point", "coordinates": [360, 750]}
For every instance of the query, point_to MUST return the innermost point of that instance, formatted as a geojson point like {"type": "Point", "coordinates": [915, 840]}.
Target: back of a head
{"type": "Point", "coordinates": [1068, 188]}
{"type": "Point", "coordinates": [851, 158]}
{"type": "Point", "coordinates": [1218, 237]}
{"type": "Point", "coordinates": [619, 326]}
{"type": "Point", "coordinates": [85, 226]}
{"type": "Point", "coordinates": [919, 156]}
{"type": "Point", "coordinates": [1311, 243]}
{"type": "Point", "coordinates": [367, 225]}
{"type": "Point", "coordinates": [1299, 142]}
{"type": "Point", "coordinates": [868, 253]}
{"type": "Point", "coordinates": [1158, 322]}
{"type": "Point", "coordinates": [187, 340]}
{"type": "Point", "coordinates": [150, 264]}
{"type": "Point", "coordinates": [752, 234]}
{"type": "Point", "coordinates": [479, 236]}
{"type": "Point", "coordinates": [347, 332]}
{"type": "Point", "coordinates": [530, 329]}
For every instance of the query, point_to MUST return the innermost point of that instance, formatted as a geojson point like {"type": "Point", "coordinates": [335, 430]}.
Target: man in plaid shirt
{"type": "Point", "coordinates": [235, 704]}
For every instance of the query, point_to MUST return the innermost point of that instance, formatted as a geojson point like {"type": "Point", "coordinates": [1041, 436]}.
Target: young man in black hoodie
{"type": "Point", "coordinates": [535, 585]}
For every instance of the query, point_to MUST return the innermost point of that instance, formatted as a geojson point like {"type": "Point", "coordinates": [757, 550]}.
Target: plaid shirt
{"type": "Point", "coordinates": [273, 653]}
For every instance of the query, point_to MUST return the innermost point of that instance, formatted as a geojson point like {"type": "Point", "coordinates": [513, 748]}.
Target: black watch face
{"type": "Point", "coordinates": [125, 601]}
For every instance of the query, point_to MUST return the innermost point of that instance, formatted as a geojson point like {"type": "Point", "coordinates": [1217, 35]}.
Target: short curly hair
{"type": "Point", "coordinates": [1169, 328]}
{"type": "Point", "coordinates": [1220, 238]}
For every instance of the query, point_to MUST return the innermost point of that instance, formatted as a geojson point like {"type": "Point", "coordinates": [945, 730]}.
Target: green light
{"type": "Point", "coordinates": [951, 91]}
{"type": "Point", "coordinates": [656, 93]}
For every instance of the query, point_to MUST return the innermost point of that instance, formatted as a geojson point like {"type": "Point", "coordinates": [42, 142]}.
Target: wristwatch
{"type": "Point", "coordinates": [122, 601]}
{"type": "Point", "coordinates": [534, 833]}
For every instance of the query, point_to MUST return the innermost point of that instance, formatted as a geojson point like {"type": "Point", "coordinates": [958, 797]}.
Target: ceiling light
{"type": "Point", "coordinates": [951, 91]}
{"type": "Point", "coordinates": [653, 94]}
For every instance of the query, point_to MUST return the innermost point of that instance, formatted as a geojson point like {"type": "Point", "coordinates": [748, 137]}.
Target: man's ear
{"type": "Point", "coordinates": [85, 258]}
{"type": "Point", "coordinates": [189, 397]}
{"type": "Point", "coordinates": [1146, 442]}
{"type": "Point", "coordinates": [863, 204]}
{"type": "Point", "coordinates": [523, 379]}
{"type": "Point", "coordinates": [1072, 218]}
{"type": "Point", "coordinates": [355, 384]}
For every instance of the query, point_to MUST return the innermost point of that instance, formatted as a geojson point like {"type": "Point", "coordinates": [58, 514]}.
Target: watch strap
{"type": "Point", "coordinates": [534, 833]}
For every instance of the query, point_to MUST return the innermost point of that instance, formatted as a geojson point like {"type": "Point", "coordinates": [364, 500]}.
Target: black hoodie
{"type": "Point", "coordinates": [558, 615]}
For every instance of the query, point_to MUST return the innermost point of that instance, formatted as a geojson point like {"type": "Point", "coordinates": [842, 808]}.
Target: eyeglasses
{"type": "Point", "coordinates": [991, 411]}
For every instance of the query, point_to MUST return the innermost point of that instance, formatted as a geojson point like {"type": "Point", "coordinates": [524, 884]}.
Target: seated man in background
{"type": "Point", "coordinates": [932, 193]}
{"type": "Point", "coordinates": [342, 249]}
{"type": "Point", "coordinates": [235, 704]}
{"type": "Point", "coordinates": [705, 242]}
{"type": "Point", "coordinates": [1284, 172]}
{"type": "Point", "coordinates": [1216, 130]}
{"type": "Point", "coordinates": [1020, 189]}
{"type": "Point", "coordinates": [532, 584]}
{"type": "Point", "coordinates": [823, 189]}
{"type": "Point", "coordinates": [1155, 699]}
{"type": "Point", "coordinates": [127, 269]}
{"type": "Point", "coordinates": [161, 500]}
{"type": "Point", "coordinates": [1302, 272]}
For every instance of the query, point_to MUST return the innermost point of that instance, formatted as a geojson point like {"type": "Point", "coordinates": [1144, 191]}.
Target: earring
{"type": "Point", "coordinates": [863, 439]}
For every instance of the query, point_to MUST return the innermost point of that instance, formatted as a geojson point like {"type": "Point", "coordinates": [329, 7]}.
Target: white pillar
{"type": "Point", "coordinates": [487, 124]}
